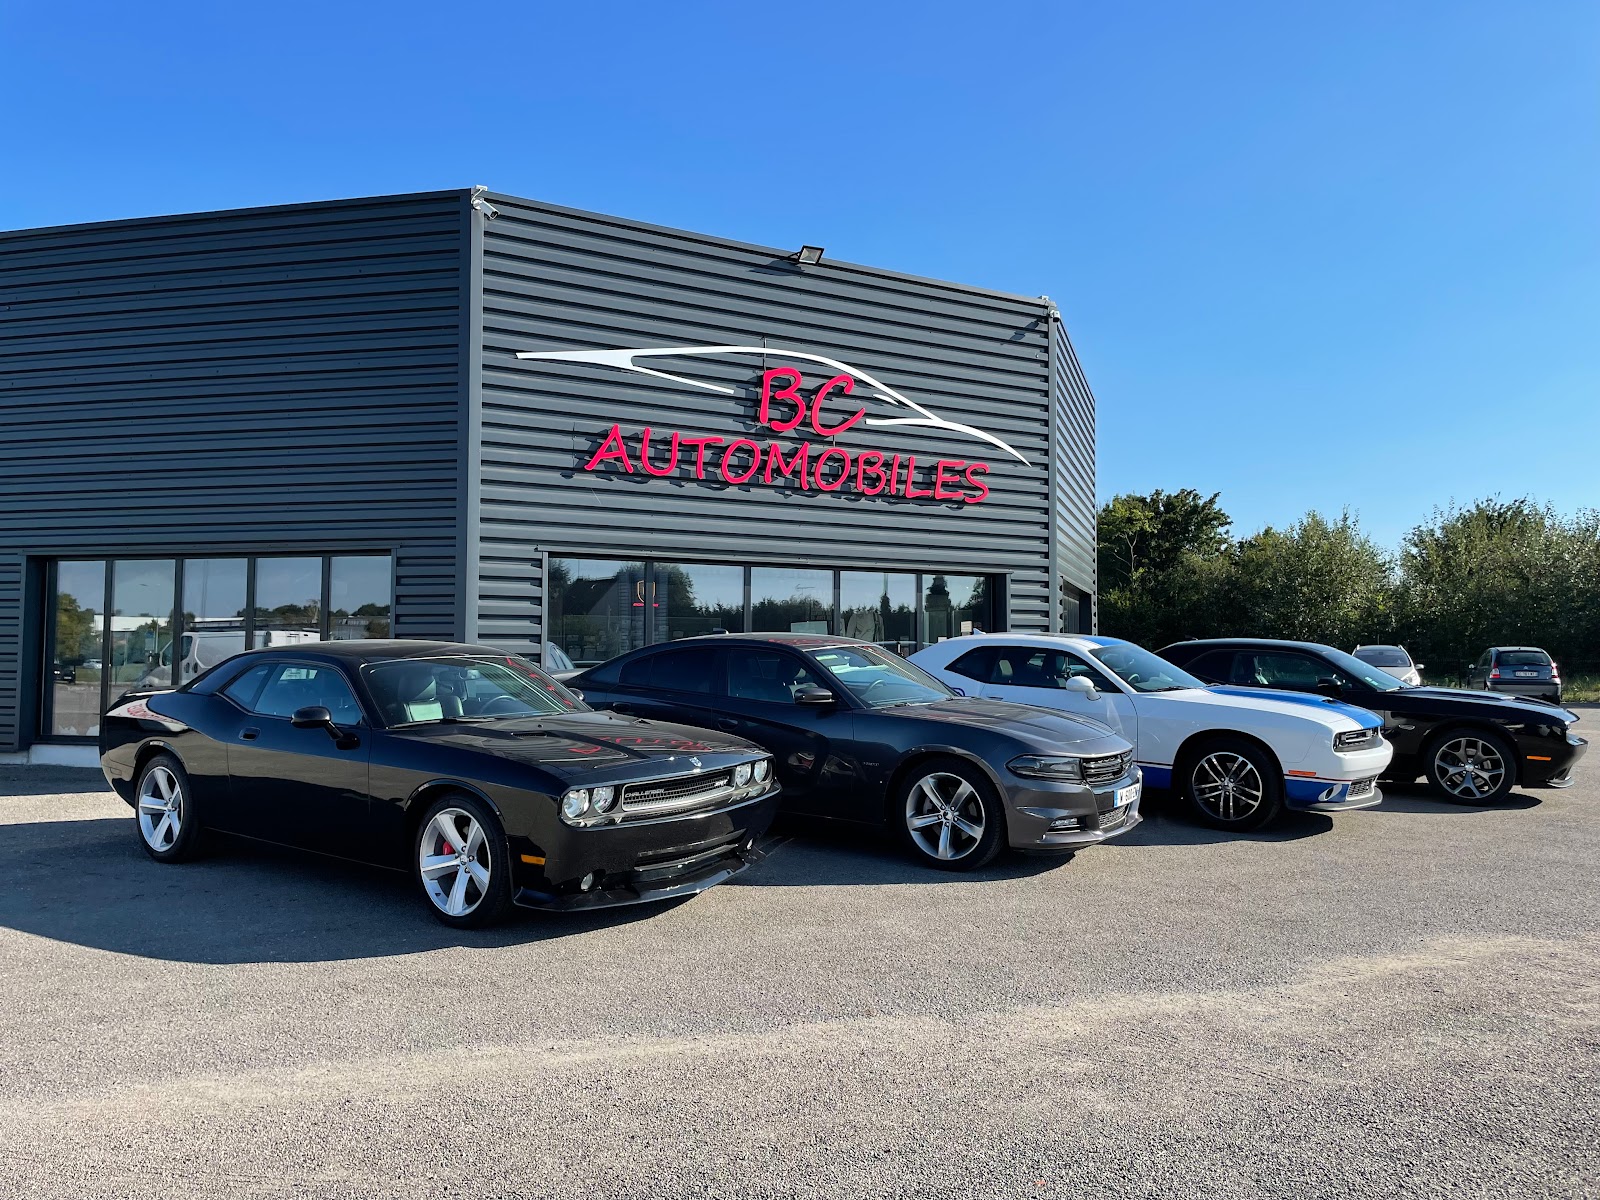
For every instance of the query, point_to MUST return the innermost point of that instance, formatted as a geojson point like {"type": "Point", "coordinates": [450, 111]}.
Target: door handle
{"type": "Point", "coordinates": [727, 723]}
{"type": "Point", "coordinates": [249, 735]}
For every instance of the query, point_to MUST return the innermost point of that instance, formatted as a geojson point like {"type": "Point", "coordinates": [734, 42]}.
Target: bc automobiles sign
{"type": "Point", "coordinates": [824, 412]}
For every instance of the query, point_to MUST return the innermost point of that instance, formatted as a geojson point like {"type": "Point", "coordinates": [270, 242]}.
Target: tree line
{"type": "Point", "coordinates": [1495, 573]}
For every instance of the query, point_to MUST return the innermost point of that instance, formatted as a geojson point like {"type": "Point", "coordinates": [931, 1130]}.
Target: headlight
{"type": "Point", "coordinates": [1350, 739]}
{"type": "Point", "coordinates": [1048, 766]}
{"type": "Point", "coordinates": [741, 775]}
{"type": "Point", "coordinates": [603, 799]}
{"type": "Point", "coordinates": [575, 803]}
{"type": "Point", "coordinates": [763, 769]}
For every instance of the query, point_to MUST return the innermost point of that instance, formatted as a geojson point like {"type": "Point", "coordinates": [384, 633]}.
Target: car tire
{"type": "Point", "coordinates": [164, 814]}
{"type": "Point", "coordinates": [1470, 766]}
{"type": "Point", "coordinates": [465, 875]}
{"type": "Point", "coordinates": [948, 815]}
{"type": "Point", "coordinates": [1232, 784]}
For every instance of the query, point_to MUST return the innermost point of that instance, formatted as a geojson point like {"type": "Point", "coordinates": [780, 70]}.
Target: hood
{"type": "Point", "coordinates": [1335, 714]}
{"type": "Point", "coordinates": [1528, 706]}
{"type": "Point", "coordinates": [1041, 728]}
{"type": "Point", "coordinates": [582, 743]}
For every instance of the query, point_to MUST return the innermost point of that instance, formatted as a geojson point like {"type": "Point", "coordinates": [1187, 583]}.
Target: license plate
{"type": "Point", "coordinates": [1527, 674]}
{"type": "Point", "coordinates": [1125, 796]}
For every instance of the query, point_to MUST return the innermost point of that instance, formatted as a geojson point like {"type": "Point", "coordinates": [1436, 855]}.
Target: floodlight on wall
{"type": "Point", "coordinates": [807, 256]}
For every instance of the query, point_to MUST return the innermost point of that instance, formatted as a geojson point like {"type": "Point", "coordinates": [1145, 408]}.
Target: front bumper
{"type": "Point", "coordinates": [1331, 795]}
{"type": "Point", "coordinates": [638, 862]}
{"type": "Point", "coordinates": [1555, 769]}
{"type": "Point", "coordinates": [1034, 806]}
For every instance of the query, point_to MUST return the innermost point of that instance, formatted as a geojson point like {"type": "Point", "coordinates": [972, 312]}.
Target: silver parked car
{"type": "Point", "coordinates": [1520, 670]}
{"type": "Point", "coordinates": [1392, 660]}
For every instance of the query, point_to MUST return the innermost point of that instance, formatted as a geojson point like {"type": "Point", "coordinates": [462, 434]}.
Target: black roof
{"type": "Point", "coordinates": [801, 641]}
{"type": "Point", "coordinates": [1264, 643]}
{"type": "Point", "coordinates": [378, 649]}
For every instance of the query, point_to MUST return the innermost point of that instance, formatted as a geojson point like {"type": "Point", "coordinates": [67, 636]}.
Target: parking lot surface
{"type": "Point", "coordinates": [1401, 1002]}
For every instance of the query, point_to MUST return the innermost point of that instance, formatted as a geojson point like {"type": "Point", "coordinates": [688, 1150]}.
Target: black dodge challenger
{"type": "Point", "coordinates": [473, 770]}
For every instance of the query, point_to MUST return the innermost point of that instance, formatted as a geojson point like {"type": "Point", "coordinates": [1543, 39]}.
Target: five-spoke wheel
{"type": "Point", "coordinates": [1471, 766]}
{"type": "Point", "coordinates": [168, 830]}
{"type": "Point", "coordinates": [949, 815]}
{"type": "Point", "coordinates": [462, 862]}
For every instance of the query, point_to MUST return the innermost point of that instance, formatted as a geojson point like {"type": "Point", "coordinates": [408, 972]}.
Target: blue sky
{"type": "Point", "coordinates": [1311, 257]}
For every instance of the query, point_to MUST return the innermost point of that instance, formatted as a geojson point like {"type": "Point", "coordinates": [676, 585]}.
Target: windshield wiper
{"type": "Point", "coordinates": [442, 721]}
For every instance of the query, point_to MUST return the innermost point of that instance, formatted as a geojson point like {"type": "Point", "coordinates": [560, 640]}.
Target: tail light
{"type": "Point", "coordinates": [1555, 671]}
{"type": "Point", "coordinates": [1495, 674]}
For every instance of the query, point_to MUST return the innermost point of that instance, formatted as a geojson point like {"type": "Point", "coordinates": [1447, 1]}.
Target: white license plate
{"type": "Point", "coordinates": [1527, 674]}
{"type": "Point", "coordinates": [1125, 796]}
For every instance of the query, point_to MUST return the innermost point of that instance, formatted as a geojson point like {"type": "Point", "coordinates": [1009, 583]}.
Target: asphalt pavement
{"type": "Point", "coordinates": [1403, 1001]}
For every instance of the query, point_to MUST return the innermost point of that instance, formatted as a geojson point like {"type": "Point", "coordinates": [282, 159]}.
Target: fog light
{"type": "Point", "coordinates": [1062, 824]}
{"type": "Point", "coordinates": [586, 884]}
{"type": "Point", "coordinates": [1330, 793]}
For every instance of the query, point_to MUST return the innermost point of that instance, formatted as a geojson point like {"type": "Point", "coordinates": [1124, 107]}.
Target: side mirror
{"type": "Point", "coordinates": [313, 716]}
{"type": "Point", "coordinates": [1329, 687]}
{"type": "Point", "coordinates": [1418, 667]}
{"type": "Point", "coordinates": [813, 695]}
{"type": "Point", "coordinates": [1082, 685]}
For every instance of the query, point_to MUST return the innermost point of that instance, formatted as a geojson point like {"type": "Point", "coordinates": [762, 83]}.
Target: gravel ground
{"type": "Point", "coordinates": [1402, 1002]}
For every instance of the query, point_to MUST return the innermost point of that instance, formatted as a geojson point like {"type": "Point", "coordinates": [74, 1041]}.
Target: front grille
{"type": "Point", "coordinates": [1106, 768]}
{"type": "Point", "coordinates": [1360, 788]}
{"type": "Point", "coordinates": [1110, 820]}
{"type": "Point", "coordinates": [1354, 739]}
{"type": "Point", "coordinates": [686, 791]}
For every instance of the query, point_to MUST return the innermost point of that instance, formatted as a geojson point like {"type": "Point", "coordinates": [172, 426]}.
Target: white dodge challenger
{"type": "Point", "coordinates": [1238, 759]}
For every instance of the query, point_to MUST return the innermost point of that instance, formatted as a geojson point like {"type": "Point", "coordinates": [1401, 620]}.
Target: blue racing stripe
{"type": "Point", "coordinates": [1360, 715]}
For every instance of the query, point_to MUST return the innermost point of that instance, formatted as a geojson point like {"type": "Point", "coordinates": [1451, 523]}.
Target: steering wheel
{"type": "Point", "coordinates": [516, 707]}
{"type": "Point", "coordinates": [876, 683]}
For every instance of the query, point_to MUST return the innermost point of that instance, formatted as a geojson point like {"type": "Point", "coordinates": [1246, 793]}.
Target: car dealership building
{"type": "Point", "coordinates": [464, 415]}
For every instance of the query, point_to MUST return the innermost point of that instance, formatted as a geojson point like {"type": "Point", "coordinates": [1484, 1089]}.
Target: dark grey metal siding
{"type": "Point", "coordinates": [1074, 503]}
{"type": "Point", "coordinates": [11, 699]}
{"type": "Point", "coordinates": [278, 379]}
{"type": "Point", "coordinates": [556, 279]}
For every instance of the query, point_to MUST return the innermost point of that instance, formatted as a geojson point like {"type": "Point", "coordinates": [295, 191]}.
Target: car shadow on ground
{"type": "Point", "coordinates": [89, 883]}
{"type": "Point", "coordinates": [1168, 822]}
{"type": "Point", "coordinates": [1419, 798]}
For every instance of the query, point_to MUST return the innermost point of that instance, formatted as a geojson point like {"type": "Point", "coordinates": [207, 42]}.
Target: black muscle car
{"type": "Point", "coordinates": [473, 770]}
{"type": "Point", "coordinates": [1469, 745]}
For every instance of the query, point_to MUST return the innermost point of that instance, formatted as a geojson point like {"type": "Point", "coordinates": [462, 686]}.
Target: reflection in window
{"type": "Point", "coordinates": [79, 634]}
{"type": "Point", "coordinates": [360, 597]}
{"type": "Point", "coordinates": [597, 607]}
{"type": "Point", "coordinates": [784, 599]}
{"type": "Point", "coordinates": [697, 599]}
{"type": "Point", "coordinates": [958, 604]}
{"type": "Point", "coordinates": [141, 623]}
{"type": "Point", "coordinates": [213, 614]}
{"type": "Point", "coordinates": [288, 608]}
{"type": "Point", "coordinates": [880, 607]}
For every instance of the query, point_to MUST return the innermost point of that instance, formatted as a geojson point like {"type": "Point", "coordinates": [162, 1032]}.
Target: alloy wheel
{"type": "Point", "coordinates": [1469, 767]}
{"type": "Point", "coordinates": [944, 815]}
{"type": "Point", "coordinates": [454, 862]}
{"type": "Point", "coordinates": [160, 809]}
{"type": "Point", "coordinates": [1227, 786]}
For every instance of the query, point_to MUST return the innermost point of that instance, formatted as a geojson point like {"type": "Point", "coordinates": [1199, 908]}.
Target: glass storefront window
{"type": "Point", "coordinates": [957, 604]}
{"type": "Point", "coordinates": [78, 633]}
{"type": "Point", "coordinates": [790, 600]}
{"type": "Point", "coordinates": [597, 607]}
{"type": "Point", "coordinates": [141, 624]}
{"type": "Point", "coordinates": [693, 599]}
{"type": "Point", "coordinates": [360, 597]}
{"type": "Point", "coordinates": [878, 606]}
{"type": "Point", "coordinates": [213, 614]}
{"type": "Point", "coordinates": [288, 608]}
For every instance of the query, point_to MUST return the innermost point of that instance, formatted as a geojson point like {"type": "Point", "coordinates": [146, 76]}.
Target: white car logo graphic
{"type": "Point", "coordinates": [624, 360]}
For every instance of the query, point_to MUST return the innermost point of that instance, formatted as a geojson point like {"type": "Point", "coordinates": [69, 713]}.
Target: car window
{"type": "Point", "coordinates": [1029, 666]}
{"type": "Point", "coordinates": [465, 687]}
{"type": "Point", "coordinates": [1279, 670]}
{"type": "Point", "coordinates": [1383, 656]}
{"type": "Point", "coordinates": [292, 686]}
{"type": "Point", "coordinates": [1214, 665]}
{"type": "Point", "coordinates": [1524, 658]}
{"type": "Point", "coordinates": [975, 664]}
{"type": "Point", "coordinates": [879, 678]}
{"type": "Point", "coordinates": [690, 670]}
{"type": "Point", "coordinates": [755, 673]}
{"type": "Point", "coordinates": [244, 690]}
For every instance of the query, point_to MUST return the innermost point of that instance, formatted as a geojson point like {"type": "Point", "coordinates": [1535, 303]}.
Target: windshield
{"type": "Point", "coordinates": [419, 691]}
{"type": "Point", "coordinates": [1523, 658]}
{"type": "Point", "coordinates": [1143, 671]}
{"type": "Point", "coordinates": [880, 679]}
{"type": "Point", "coordinates": [1383, 656]}
{"type": "Point", "coordinates": [1368, 674]}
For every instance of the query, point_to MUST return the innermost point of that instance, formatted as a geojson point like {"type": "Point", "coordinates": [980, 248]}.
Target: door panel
{"type": "Point", "coordinates": [1031, 675]}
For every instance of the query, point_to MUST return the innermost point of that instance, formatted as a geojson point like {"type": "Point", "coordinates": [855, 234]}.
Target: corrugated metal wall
{"type": "Point", "coordinates": [1075, 509]}
{"type": "Point", "coordinates": [555, 279]}
{"type": "Point", "coordinates": [11, 699]}
{"type": "Point", "coordinates": [281, 379]}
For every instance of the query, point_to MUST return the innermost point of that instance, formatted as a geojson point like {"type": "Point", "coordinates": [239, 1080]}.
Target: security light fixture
{"type": "Point", "coordinates": [807, 256]}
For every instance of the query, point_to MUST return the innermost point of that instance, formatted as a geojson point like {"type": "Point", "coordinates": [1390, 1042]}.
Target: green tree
{"type": "Point", "coordinates": [1317, 580]}
{"type": "Point", "coordinates": [1153, 534]}
{"type": "Point", "coordinates": [77, 630]}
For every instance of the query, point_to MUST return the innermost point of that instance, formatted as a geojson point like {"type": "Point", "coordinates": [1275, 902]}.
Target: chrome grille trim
{"type": "Point", "coordinates": [677, 794]}
{"type": "Point", "coordinates": [1106, 768]}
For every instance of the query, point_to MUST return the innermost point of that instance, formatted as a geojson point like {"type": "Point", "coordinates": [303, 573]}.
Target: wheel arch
{"type": "Point", "coordinates": [1469, 725]}
{"type": "Point", "coordinates": [922, 754]}
{"type": "Point", "coordinates": [416, 804]}
{"type": "Point", "coordinates": [1190, 748]}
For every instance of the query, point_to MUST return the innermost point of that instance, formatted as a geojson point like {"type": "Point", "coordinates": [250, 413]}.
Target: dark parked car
{"type": "Point", "coordinates": [861, 735]}
{"type": "Point", "coordinates": [471, 769]}
{"type": "Point", "coordinates": [1519, 670]}
{"type": "Point", "coordinates": [1469, 746]}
